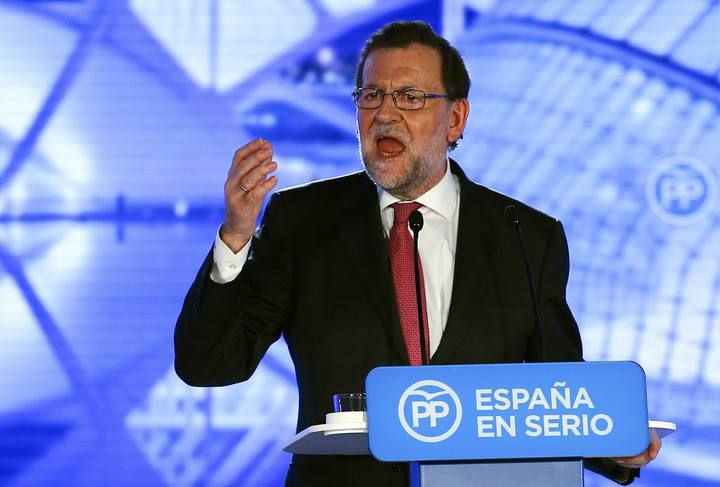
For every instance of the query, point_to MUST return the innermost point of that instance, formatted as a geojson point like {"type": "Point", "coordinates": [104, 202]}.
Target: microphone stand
{"type": "Point", "coordinates": [416, 224]}
{"type": "Point", "coordinates": [514, 220]}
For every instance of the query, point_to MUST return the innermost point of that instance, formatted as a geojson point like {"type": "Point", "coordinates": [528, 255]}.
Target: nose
{"type": "Point", "coordinates": [387, 111]}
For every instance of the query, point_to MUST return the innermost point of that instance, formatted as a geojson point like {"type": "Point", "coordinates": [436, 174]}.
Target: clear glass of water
{"type": "Point", "coordinates": [354, 401]}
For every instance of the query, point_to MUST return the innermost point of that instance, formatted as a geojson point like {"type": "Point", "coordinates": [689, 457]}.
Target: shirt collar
{"type": "Point", "coordinates": [441, 198]}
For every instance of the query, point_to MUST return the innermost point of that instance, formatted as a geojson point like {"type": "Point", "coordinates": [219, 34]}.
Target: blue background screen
{"type": "Point", "coordinates": [118, 121]}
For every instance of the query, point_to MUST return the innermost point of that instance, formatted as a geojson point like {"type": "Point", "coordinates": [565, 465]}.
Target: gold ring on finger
{"type": "Point", "coordinates": [242, 186]}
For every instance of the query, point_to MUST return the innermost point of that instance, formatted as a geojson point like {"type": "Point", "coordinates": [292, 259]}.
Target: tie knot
{"type": "Point", "coordinates": [403, 210]}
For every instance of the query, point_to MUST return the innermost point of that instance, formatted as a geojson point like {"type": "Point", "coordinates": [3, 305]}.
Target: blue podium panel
{"type": "Point", "coordinates": [503, 411]}
{"type": "Point", "coordinates": [537, 473]}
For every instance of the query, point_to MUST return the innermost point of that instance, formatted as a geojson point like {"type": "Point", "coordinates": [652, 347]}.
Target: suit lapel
{"type": "Point", "coordinates": [363, 236]}
{"type": "Point", "coordinates": [368, 250]}
{"type": "Point", "coordinates": [473, 270]}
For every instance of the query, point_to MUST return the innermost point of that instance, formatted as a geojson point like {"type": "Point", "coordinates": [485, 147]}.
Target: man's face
{"type": "Point", "coordinates": [404, 152]}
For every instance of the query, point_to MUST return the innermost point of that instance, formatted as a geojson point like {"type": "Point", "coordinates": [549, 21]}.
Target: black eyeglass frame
{"type": "Point", "coordinates": [394, 96]}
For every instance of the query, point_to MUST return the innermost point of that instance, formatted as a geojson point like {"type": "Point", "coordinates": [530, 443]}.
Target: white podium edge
{"type": "Point", "coordinates": [662, 428]}
{"type": "Point", "coordinates": [313, 440]}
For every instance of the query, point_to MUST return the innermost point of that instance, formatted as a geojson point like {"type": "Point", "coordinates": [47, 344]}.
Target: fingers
{"type": "Point", "coordinates": [259, 191]}
{"type": "Point", "coordinates": [645, 457]}
{"type": "Point", "coordinates": [655, 445]}
{"type": "Point", "coordinates": [246, 160]}
{"type": "Point", "coordinates": [251, 165]}
{"type": "Point", "coordinates": [249, 149]}
{"type": "Point", "coordinates": [256, 176]}
{"type": "Point", "coordinates": [631, 462]}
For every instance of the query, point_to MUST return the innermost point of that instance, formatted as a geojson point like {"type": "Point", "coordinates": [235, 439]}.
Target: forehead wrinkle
{"type": "Point", "coordinates": [394, 79]}
{"type": "Point", "coordinates": [400, 82]}
{"type": "Point", "coordinates": [402, 68]}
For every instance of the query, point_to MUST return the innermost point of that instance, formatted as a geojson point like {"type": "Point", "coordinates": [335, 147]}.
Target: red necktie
{"type": "Point", "coordinates": [403, 272]}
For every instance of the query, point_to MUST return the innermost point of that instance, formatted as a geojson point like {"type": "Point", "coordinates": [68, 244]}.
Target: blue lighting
{"type": "Point", "coordinates": [118, 121]}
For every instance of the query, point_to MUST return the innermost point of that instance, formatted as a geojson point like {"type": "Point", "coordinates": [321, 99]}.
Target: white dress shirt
{"type": "Point", "coordinates": [440, 210]}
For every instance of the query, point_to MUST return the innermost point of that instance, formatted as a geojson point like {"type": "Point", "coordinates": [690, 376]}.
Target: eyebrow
{"type": "Point", "coordinates": [406, 87]}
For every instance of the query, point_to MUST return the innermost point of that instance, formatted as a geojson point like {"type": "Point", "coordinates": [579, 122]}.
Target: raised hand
{"type": "Point", "coordinates": [246, 186]}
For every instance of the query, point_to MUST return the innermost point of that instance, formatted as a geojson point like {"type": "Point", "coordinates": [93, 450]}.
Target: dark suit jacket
{"type": "Point", "coordinates": [318, 273]}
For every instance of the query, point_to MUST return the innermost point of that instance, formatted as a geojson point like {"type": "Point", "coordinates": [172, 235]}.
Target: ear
{"type": "Point", "coordinates": [458, 118]}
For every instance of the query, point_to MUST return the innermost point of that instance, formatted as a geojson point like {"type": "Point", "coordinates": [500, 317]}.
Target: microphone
{"type": "Point", "coordinates": [416, 224]}
{"type": "Point", "coordinates": [513, 219]}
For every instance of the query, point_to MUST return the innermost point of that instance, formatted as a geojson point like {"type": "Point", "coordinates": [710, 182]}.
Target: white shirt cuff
{"type": "Point", "coordinates": [227, 264]}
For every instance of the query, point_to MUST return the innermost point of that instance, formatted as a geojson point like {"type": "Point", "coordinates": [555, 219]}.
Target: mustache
{"type": "Point", "coordinates": [390, 131]}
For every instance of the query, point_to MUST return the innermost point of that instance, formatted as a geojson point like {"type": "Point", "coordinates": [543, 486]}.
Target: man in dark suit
{"type": "Point", "coordinates": [325, 267]}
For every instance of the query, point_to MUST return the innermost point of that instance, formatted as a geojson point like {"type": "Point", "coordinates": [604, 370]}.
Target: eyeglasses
{"type": "Point", "coordinates": [407, 99]}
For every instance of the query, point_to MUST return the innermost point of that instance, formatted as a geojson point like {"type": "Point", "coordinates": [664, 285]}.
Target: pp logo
{"type": "Point", "coordinates": [681, 190]}
{"type": "Point", "coordinates": [433, 408]}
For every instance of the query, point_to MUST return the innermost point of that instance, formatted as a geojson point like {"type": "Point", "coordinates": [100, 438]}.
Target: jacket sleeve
{"type": "Point", "coordinates": [225, 329]}
{"type": "Point", "coordinates": [611, 470]}
{"type": "Point", "coordinates": [561, 334]}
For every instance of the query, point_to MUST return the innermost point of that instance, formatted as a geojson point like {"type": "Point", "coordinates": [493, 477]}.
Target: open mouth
{"type": "Point", "coordinates": [389, 146]}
